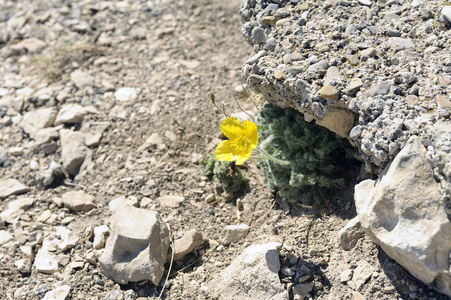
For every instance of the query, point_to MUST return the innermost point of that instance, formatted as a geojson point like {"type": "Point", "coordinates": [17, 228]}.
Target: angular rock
{"type": "Point", "coordinates": [137, 246]}
{"type": "Point", "coordinates": [350, 234]}
{"type": "Point", "coordinates": [402, 211]}
{"type": "Point", "coordinates": [252, 275]}
{"type": "Point", "coordinates": [302, 289]}
{"type": "Point", "coordinates": [328, 92]}
{"type": "Point", "coordinates": [60, 293]}
{"type": "Point", "coordinates": [185, 245]}
{"type": "Point", "coordinates": [78, 201]}
{"type": "Point", "coordinates": [37, 119]}
{"type": "Point", "coordinates": [15, 207]}
{"type": "Point", "coordinates": [93, 132]}
{"type": "Point", "coordinates": [5, 237]}
{"type": "Point", "coordinates": [339, 121]}
{"type": "Point", "coordinates": [33, 45]}
{"type": "Point", "coordinates": [73, 151]}
{"type": "Point", "coordinates": [126, 94]}
{"type": "Point", "coordinates": [69, 240]}
{"type": "Point", "coordinates": [170, 201]}
{"type": "Point", "coordinates": [10, 187]}
{"type": "Point", "coordinates": [233, 233]}
{"type": "Point", "coordinates": [361, 274]}
{"type": "Point", "coordinates": [81, 79]}
{"type": "Point", "coordinates": [46, 262]}
{"type": "Point", "coordinates": [70, 113]}
{"type": "Point", "coordinates": [23, 265]}
{"type": "Point", "coordinates": [99, 236]}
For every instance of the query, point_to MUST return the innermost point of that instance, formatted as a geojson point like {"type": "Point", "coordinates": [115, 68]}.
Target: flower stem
{"type": "Point", "coordinates": [282, 162]}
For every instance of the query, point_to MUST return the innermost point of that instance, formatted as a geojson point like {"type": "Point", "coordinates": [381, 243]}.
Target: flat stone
{"type": "Point", "coordinates": [397, 41]}
{"type": "Point", "coordinates": [302, 289]}
{"type": "Point", "coordinates": [279, 74]}
{"type": "Point", "coordinates": [253, 59]}
{"type": "Point", "coordinates": [354, 60]}
{"type": "Point", "coordinates": [338, 120]}
{"type": "Point", "coordinates": [346, 275]}
{"type": "Point", "coordinates": [354, 85]}
{"type": "Point", "coordinates": [185, 245]}
{"type": "Point", "coordinates": [69, 239]}
{"type": "Point", "coordinates": [99, 236]}
{"type": "Point", "coordinates": [253, 274]}
{"type": "Point", "coordinates": [60, 293]}
{"type": "Point", "coordinates": [126, 94]}
{"type": "Point", "coordinates": [137, 246]}
{"type": "Point", "coordinates": [10, 187]}
{"type": "Point", "coordinates": [78, 201]}
{"type": "Point", "coordinates": [361, 275]}
{"type": "Point", "coordinates": [366, 2]}
{"type": "Point", "coordinates": [33, 45]}
{"type": "Point", "coordinates": [5, 237]}
{"type": "Point", "coordinates": [233, 233]}
{"type": "Point", "coordinates": [81, 79]}
{"type": "Point", "coordinates": [382, 89]}
{"type": "Point", "coordinates": [46, 262]}
{"type": "Point", "coordinates": [370, 52]}
{"type": "Point", "coordinates": [14, 207]}
{"type": "Point", "coordinates": [328, 92]}
{"type": "Point", "coordinates": [70, 113]}
{"type": "Point", "coordinates": [332, 75]}
{"type": "Point", "coordinates": [443, 101]}
{"type": "Point", "coordinates": [269, 20]}
{"type": "Point", "coordinates": [350, 234]}
{"type": "Point", "coordinates": [171, 201]}
{"type": "Point", "coordinates": [40, 118]}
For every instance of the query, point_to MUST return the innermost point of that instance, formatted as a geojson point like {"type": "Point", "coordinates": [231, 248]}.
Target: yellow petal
{"type": "Point", "coordinates": [251, 132]}
{"type": "Point", "coordinates": [232, 128]}
{"type": "Point", "coordinates": [228, 151]}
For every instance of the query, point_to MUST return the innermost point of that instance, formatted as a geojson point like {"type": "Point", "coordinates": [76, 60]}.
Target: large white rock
{"type": "Point", "coordinates": [78, 201]}
{"type": "Point", "coordinates": [403, 213]}
{"type": "Point", "coordinates": [233, 233]}
{"type": "Point", "coordinates": [137, 246]}
{"type": "Point", "coordinates": [254, 274]}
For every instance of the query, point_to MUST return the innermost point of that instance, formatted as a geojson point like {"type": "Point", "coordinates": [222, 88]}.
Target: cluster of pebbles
{"type": "Point", "coordinates": [387, 62]}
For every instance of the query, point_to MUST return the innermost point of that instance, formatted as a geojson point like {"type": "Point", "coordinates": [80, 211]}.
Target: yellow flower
{"type": "Point", "coordinates": [242, 139]}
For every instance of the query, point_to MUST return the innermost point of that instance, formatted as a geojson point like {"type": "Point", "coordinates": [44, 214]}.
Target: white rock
{"type": "Point", "coordinates": [403, 213]}
{"type": "Point", "coordinates": [45, 262]}
{"type": "Point", "coordinates": [81, 79]}
{"type": "Point", "coordinates": [170, 201]}
{"type": "Point", "coordinates": [346, 275]}
{"type": "Point", "coordinates": [15, 207]}
{"type": "Point", "coordinates": [361, 274]}
{"type": "Point", "coordinates": [254, 274]}
{"type": "Point", "coordinates": [137, 246]}
{"type": "Point", "coordinates": [69, 240]}
{"type": "Point", "coordinates": [5, 237]}
{"type": "Point", "coordinates": [233, 233]}
{"type": "Point", "coordinates": [10, 187]}
{"type": "Point", "coordinates": [416, 3]}
{"type": "Point", "coordinates": [73, 150]}
{"type": "Point", "coordinates": [446, 12]}
{"type": "Point", "coordinates": [59, 293]}
{"type": "Point", "coordinates": [99, 236]}
{"type": "Point", "coordinates": [350, 234]}
{"type": "Point", "coordinates": [33, 45]}
{"type": "Point", "coordinates": [118, 202]}
{"type": "Point", "coordinates": [23, 265]}
{"type": "Point", "coordinates": [155, 140]}
{"type": "Point", "coordinates": [70, 113]}
{"type": "Point", "coordinates": [366, 2]}
{"type": "Point", "coordinates": [78, 201]}
{"type": "Point", "coordinates": [41, 117]}
{"type": "Point", "coordinates": [126, 94]}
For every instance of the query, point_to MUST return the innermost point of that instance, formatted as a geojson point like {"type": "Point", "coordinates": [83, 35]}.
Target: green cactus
{"type": "Point", "coordinates": [317, 158]}
{"type": "Point", "coordinates": [231, 178]}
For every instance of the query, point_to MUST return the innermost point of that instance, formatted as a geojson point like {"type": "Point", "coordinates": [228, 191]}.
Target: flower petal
{"type": "Point", "coordinates": [228, 151]}
{"type": "Point", "coordinates": [225, 151]}
{"type": "Point", "coordinates": [232, 128]}
{"type": "Point", "coordinates": [251, 132]}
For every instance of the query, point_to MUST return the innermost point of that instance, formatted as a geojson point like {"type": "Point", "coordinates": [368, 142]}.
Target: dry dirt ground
{"type": "Point", "coordinates": [189, 49]}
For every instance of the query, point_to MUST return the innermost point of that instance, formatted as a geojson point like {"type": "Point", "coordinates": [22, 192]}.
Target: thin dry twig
{"type": "Point", "coordinates": [236, 100]}
{"type": "Point", "coordinates": [213, 100]}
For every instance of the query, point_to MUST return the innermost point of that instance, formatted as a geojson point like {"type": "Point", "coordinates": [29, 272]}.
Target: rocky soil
{"type": "Point", "coordinates": [106, 102]}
